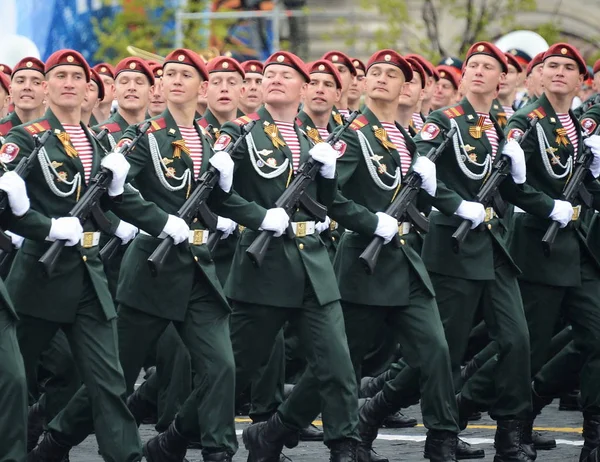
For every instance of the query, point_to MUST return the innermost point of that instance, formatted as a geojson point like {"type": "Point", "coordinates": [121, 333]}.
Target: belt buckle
{"type": "Point", "coordinates": [403, 228]}
{"type": "Point", "coordinates": [198, 237]}
{"type": "Point", "coordinates": [576, 213]}
{"type": "Point", "coordinates": [489, 213]}
{"type": "Point", "coordinates": [87, 240]}
{"type": "Point", "coordinates": [301, 229]}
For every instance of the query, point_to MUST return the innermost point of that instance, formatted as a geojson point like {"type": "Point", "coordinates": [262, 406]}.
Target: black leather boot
{"type": "Point", "coordinates": [594, 456]}
{"type": "Point", "coordinates": [370, 386]}
{"type": "Point", "coordinates": [343, 451]}
{"type": "Point", "coordinates": [265, 440]}
{"type": "Point", "coordinates": [168, 446]}
{"type": "Point", "coordinates": [35, 425]}
{"type": "Point", "coordinates": [527, 440]}
{"type": "Point", "coordinates": [441, 446]}
{"type": "Point", "coordinates": [463, 451]}
{"type": "Point", "coordinates": [217, 456]}
{"type": "Point", "coordinates": [142, 410]}
{"type": "Point", "coordinates": [591, 435]}
{"type": "Point", "coordinates": [49, 450]}
{"type": "Point", "coordinates": [311, 433]}
{"type": "Point", "coordinates": [370, 418]}
{"type": "Point", "coordinates": [399, 420]}
{"type": "Point", "coordinates": [508, 441]}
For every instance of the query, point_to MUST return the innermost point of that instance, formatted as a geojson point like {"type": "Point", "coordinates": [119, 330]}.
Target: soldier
{"type": "Point", "coordinates": [593, 99]}
{"type": "Point", "coordinates": [533, 81]}
{"type": "Point", "coordinates": [411, 98]}
{"type": "Point", "coordinates": [482, 273]}
{"type": "Point", "coordinates": [94, 96]}
{"type": "Point", "coordinates": [348, 73]}
{"type": "Point", "coordinates": [508, 91]}
{"type": "Point", "coordinates": [85, 311]}
{"type": "Point", "coordinates": [567, 281]}
{"type": "Point", "coordinates": [357, 88]}
{"type": "Point", "coordinates": [433, 77]}
{"type": "Point", "coordinates": [158, 103]}
{"type": "Point", "coordinates": [4, 94]}
{"type": "Point", "coordinates": [27, 94]}
{"type": "Point", "coordinates": [295, 282]}
{"type": "Point", "coordinates": [446, 88]}
{"type": "Point", "coordinates": [378, 154]}
{"type": "Point", "coordinates": [252, 97]}
{"type": "Point", "coordinates": [107, 74]}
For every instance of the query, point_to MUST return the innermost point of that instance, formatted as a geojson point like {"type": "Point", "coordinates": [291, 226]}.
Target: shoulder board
{"type": "Point", "coordinates": [202, 122]}
{"type": "Point", "coordinates": [111, 127]}
{"type": "Point", "coordinates": [299, 122]}
{"type": "Point", "coordinates": [537, 112]}
{"type": "Point", "coordinates": [359, 123]}
{"type": "Point", "coordinates": [157, 124]}
{"type": "Point", "coordinates": [454, 111]}
{"type": "Point", "coordinates": [5, 127]}
{"type": "Point", "coordinates": [37, 127]}
{"type": "Point", "coordinates": [246, 119]}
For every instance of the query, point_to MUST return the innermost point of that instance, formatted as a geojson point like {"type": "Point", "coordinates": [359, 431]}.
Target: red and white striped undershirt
{"type": "Point", "coordinates": [491, 134]}
{"type": "Point", "coordinates": [509, 111]}
{"type": "Point", "coordinates": [323, 133]}
{"type": "Point", "coordinates": [567, 122]}
{"type": "Point", "coordinates": [194, 144]}
{"type": "Point", "coordinates": [344, 112]}
{"type": "Point", "coordinates": [397, 138]}
{"type": "Point", "coordinates": [83, 147]}
{"type": "Point", "coordinates": [417, 121]}
{"type": "Point", "coordinates": [291, 139]}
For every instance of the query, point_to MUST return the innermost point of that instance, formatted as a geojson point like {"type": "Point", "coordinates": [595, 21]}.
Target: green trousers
{"type": "Point", "coordinates": [419, 328]}
{"type": "Point", "coordinates": [205, 332]}
{"type": "Point", "coordinates": [13, 393]}
{"type": "Point", "coordinates": [93, 341]}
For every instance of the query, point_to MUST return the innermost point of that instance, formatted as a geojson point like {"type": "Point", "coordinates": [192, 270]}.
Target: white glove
{"type": "Point", "coordinates": [17, 241]}
{"type": "Point", "coordinates": [15, 189]}
{"type": "Point", "coordinates": [562, 212]}
{"type": "Point", "coordinates": [593, 142]}
{"type": "Point", "coordinates": [226, 225]}
{"type": "Point", "coordinates": [223, 163]}
{"type": "Point", "coordinates": [426, 170]}
{"type": "Point", "coordinates": [66, 229]}
{"type": "Point", "coordinates": [275, 220]}
{"type": "Point", "coordinates": [322, 225]}
{"type": "Point", "coordinates": [126, 232]}
{"type": "Point", "coordinates": [387, 227]}
{"type": "Point", "coordinates": [473, 211]}
{"type": "Point", "coordinates": [177, 228]}
{"type": "Point", "coordinates": [513, 150]}
{"type": "Point", "coordinates": [118, 165]}
{"type": "Point", "coordinates": [326, 155]}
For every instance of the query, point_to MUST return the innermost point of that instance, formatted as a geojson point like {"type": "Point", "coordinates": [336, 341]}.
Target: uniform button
{"type": "Point", "coordinates": [301, 246]}
{"type": "Point", "coordinates": [195, 220]}
{"type": "Point", "coordinates": [402, 241]}
{"type": "Point", "coordinates": [489, 226]}
{"type": "Point", "coordinates": [333, 238]}
{"type": "Point", "coordinates": [195, 258]}
{"type": "Point", "coordinates": [84, 258]}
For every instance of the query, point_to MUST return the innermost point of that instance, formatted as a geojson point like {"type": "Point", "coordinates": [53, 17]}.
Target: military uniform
{"type": "Point", "coordinates": [8, 122]}
{"type": "Point", "coordinates": [116, 126]}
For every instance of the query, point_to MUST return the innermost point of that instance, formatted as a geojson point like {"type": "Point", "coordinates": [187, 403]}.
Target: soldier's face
{"type": "Point", "coordinates": [509, 84]}
{"type": "Point", "coordinates": [534, 81]}
{"type": "Point", "coordinates": [561, 75]}
{"type": "Point", "coordinates": [91, 99]}
{"type": "Point", "coordinates": [282, 85]}
{"type": "Point", "coordinates": [444, 94]}
{"type": "Point", "coordinates": [482, 74]}
{"type": "Point", "coordinates": [66, 86]}
{"type": "Point", "coordinates": [157, 100]}
{"type": "Point", "coordinates": [3, 98]}
{"type": "Point", "coordinates": [357, 88]}
{"type": "Point", "coordinates": [224, 91]}
{"type": "Point", "coordinates": [384, 82]}
{"type": "Point", "coordinates": [429, 88]}
{"type": "Point", "coordinates": [252, 96]}
{"type": "Point", "coordinates": [182, 84]}
{"type": "Point", "coordinates": [321, 93]}
{"type": "Point", "coordinates": [132, 91]}
{"type": "Point", "coordinates": [412, 92]}
{"type": "Point", "coordinates": [346, 75]}
{"type": "Point", "coordinates": [26, 90]}
{"type": "Point", "coordinates": [109, 89]}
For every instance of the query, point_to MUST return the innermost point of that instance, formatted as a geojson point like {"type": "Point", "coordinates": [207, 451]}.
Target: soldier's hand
{"type": "Point", "coordinates": [176, 228]}
{"type": "Point", "coordinates": [327, 156]}
{"type": "Point", "coordinates": [472, 211]}
{"type": "Point", "coordinates": [15, 189]}
{"type": "Point", "coordinates": [513, 150]}
{"type": "Point", "coordinates": [426, 170]}
{"type": "Point", "coordinates": [593, 142]}
{"type": "Point", "coordinates": [224, 164]}
{"type": "Point", "coordinates": [126, 232]}
{"type": "Point", "coordinates": [387, 227]}
{"type": "Point", "coordinates": [17, 241]}
{"type": "Point", "coordinates": [275, 220]}
{"type": "Point", "coordinates": [226, 226]}
{"type": "Point", "coordinates": [322, 225]}
{"type": "Point", "coordinates": [562, 212]}
{"type": "Point", "coordinates": [118, 165]}
{"type": "Point", "coordinates": [66, 229]}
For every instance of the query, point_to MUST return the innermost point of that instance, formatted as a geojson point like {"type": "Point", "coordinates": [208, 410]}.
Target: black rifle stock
{"type": "Point", "coordinates": [487, 194]}
{"type": "Point", "coordinates": [295, 195]}
{"type": "Point", "coordinates": [403, 205]}
{"type": "Point", "coordinates": [88, 204]}
{"type": "Point", "coordinates": [195, 205]}
{"type": "Point", "coordinates": [574, 188]}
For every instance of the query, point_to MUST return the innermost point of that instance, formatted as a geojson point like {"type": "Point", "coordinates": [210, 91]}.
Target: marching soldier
{"type": "Point", "coordinates": [348, 73]}
{"type": "Point", "coordinates": [357, 88]}
{"type": "Point", "coordinates": [295, 282]}
{"type": "Point", "coordinates": [433, 77]}
{"type": "Point", "coordinates": [567, 281]}
{"type": "Point", "coordinates": [61, 174]}
{"type": "Point", "coordinates": [378, 155]}
{"type": "Point", "coordinates": [93, 98]}
{"type": "Point", "coordinates": [482, 273]}
{"type": "Point", "coordinates": [411, 98]}
{"type": "Point", "coordinates": [107, 74]}
{"type": "Point", "coordinates": [446, 88]}
{"type": "Point", "coordinates": [507, 92]}
{"type": "Point", "coordinates": [533, 80]}
{"type": "Point", "coordinates": [4, 94]}
{"type": "Point", "coordinates": [594, 99]}
{"type": "Point", "coordinates": [252, 97]}
{"type": "Point", "coordinates": [157, 103]}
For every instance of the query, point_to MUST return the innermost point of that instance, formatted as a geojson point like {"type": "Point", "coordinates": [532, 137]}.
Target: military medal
{"type": "Point", "coordinates": [166, 161]}
{"type": "Point", "coordinates": [273, 132]}
{"type": "Point", "coordinates": [381, 135]}
{"type": "Point", "coordinates": [264, 152]}
{"type": "Point", "coordinates": [561, 136]}
{"type": "Point", "coordinates": [65, 139]}
{"type": "Point", "coordinates": [481, 127]}
{"type": "Point", "coordinates": [338, 118]}
{"type": "Point", "coordinates": [179, 146]}
{"type": "Point", "coordinates": [314, 135]}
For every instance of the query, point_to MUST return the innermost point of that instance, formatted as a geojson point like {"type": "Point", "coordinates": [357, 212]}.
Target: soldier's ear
{"type": "Point", "coordinates": [203, 90]}
{"type": "Point", "coordinates": [303, 89]}
{"type": "Point", "coordinates": [338, 95]}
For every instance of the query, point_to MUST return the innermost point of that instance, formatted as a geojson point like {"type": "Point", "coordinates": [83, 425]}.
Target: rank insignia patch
{"type": "Point", "coordinates": [8, 153]}
{"type": "Point", "coordinates": [340, 148]}
{"type": "Point", "coordinates": [222, 142]}
{"type": "Point", "coordinates": [589, 125]}
{"type": "Point", "coordinates": [514, 134]}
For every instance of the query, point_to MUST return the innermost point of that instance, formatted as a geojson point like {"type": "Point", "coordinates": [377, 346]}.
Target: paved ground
{"type": "Point", "coordinates": [406, 444]}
